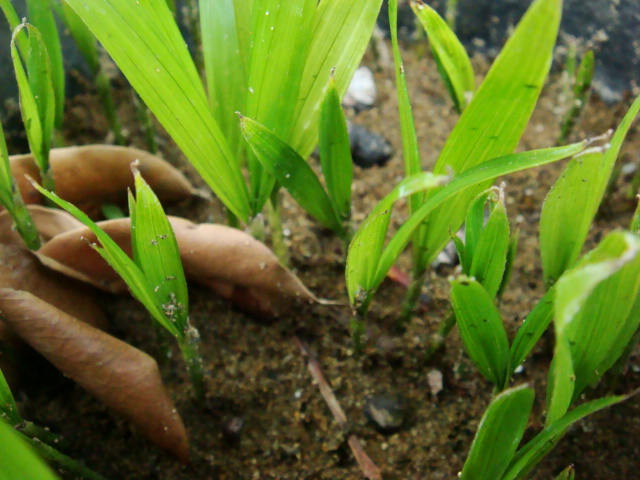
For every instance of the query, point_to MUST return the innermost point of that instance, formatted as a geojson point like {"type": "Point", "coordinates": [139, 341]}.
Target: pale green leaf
{"type": "Point", "coordinates": [494, 121]}
{"type": "Point", "coordinates": [293, 172]}
{"type": "Point", "coordinates": [85, 40]}
{"type": "Point", "coordinates": [453, 62]}
{"type": "Point", "coordinates": [341, 32]}
{"type": "Point", "coordinates": [335, 153]}
{"type": "Point", "coordinates": [561, 382]}
{"type": "Point", "coordinates": [18, 460]}
{"type": "Point", "coordinates": [144, 41]}
{"type": "Point", "coordinates": [158, 255]}
{"type": "Point", "coordinates": [225, 68]}
{"type": "Point", "coordinates": [481, 329]}
{"type": "Point", "coordinates": [366, 245]}
{"type": "Point", "coordinates": [532, 329]}
{"type": "Point", "coordinates": [499, 434]}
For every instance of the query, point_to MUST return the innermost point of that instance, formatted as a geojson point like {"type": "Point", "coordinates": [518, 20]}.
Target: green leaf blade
{"type": "Point", "coordinates": [481, 329]}
{"type": "Point", "coordinates": [499, 434]}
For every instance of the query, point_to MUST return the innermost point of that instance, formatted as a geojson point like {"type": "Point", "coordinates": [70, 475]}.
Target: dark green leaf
{"type": "Point", "coordinates": [532, 329]}
{"type": "Point", "coordinates": [499, 434]}
{"type": "Point", "coordinates": [8, 408]}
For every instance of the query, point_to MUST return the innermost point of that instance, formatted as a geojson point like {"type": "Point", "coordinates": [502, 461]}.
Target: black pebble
{"type": "Point", "coordinates": [367, 148]}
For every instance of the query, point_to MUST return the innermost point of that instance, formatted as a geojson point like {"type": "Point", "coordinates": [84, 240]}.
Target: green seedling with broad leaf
{"type": "Point", "coordinates": [154, 276]}
{"type": "Point", "coordinates": [268, 60]}
{"type": "Point", "coordinates": [20, 438]}
{"type": "Point", "coordinates": [330, 207]}
{"type": "Point", "coordinates": [579, 94]}
{"type": "Point", "coordinates": [596, 313]}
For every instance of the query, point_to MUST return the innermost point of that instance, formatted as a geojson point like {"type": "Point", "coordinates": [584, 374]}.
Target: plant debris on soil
{"type": "Point", "coordinates": [264, 416]}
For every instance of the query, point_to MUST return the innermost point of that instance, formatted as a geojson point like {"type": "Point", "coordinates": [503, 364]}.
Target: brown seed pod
{"type": "Point", "coordinates": [121, 376]}
{"type": "Point", "coordinates": [48, 221]}
{"type": "Point", "coordinates": [231, 262]}
{"type": "Point", "coordinates": [93, 175]}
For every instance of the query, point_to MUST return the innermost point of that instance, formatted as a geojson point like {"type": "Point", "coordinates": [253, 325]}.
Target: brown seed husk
{"type": "Point", "coordinates": [93, 175]}
{"type": "Point", "coordinates": [48, 221]}
{"type": "Point", "coordinates": [231, 262]}
{"type": "Point", "coordinates": [121, 376]}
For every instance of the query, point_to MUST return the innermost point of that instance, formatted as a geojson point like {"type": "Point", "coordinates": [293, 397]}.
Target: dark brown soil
{"type": "Point", "coordinates": [255, 371]}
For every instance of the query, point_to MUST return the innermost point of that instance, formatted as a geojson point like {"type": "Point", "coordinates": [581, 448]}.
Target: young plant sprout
{"type": "Point", "coordinates": [155, 275]}
{"type": "Point", "coordinates": [246, 48]}
{"type": "Point", "coordinates": [18, 460]}
{"type": "Point", "coordinates": [37, 97]}
{"type": "Point", "coordinates": [332, 208]}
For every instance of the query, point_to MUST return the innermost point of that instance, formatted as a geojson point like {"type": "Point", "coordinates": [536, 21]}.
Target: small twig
{"type": "Point", "coordinates": [368, 467]}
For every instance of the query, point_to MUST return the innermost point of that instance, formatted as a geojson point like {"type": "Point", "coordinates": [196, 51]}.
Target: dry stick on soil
{"type": "Point", "coordinates": [368, 467]}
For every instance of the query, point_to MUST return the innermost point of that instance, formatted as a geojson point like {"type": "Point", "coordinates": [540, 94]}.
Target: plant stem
{"type": "Point", "coordinates": [452, 13]}
{"type": "Point", "coordinates": [275, 224]}
{"type": "Point", "coordinates": [189, 348]}
{"type": "Point", "coordinates": [106, 98]}
{"type": "Point", "coordinates": [437, 340]}
{"type": "Point", "coordinates": [193, 23]}
{"type": "Point", "coordinates": [34, 432]}
{"type": "Point", "coordinates": [357, 326]}
{"type": "Point", "coordinates": [413, 295]}
{"type": "Point", "coordinates": [147, 126]}
{"type": "Point", "coordinates": [24, 223]}
{"type": "Point", "coordinates": [52, 455]}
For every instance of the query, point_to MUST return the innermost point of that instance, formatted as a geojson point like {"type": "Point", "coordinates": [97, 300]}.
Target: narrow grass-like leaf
{"type": "Point", "coordinates": [349, 26]}
{"type": "Point", "coordinates": [481, 329]}
{"type": "Point", "coordinates": [118, 260]}
{"type": "Point", "coordinates": [635, 223]}
{"type": "Point", "coordinates": [36, 97]}
{"type": "Point", "coordinates": [532, 453]}
{"type": "Point", "coordinates": [607, 317]}
{"type": "Point", "coordinates": [580, 95]}
{"type": "Point", "coordinates": [366, 246]}
{"type": "Point", "coordinates": [281, 35]}
{"type": "Point", "coordinates": [83, 37]}
{"type": "Point", "coordinates": [14, 20]}
{"type": "Point", "coordinates": [158, 255]}
{"type": "Point", "coordinates": [410, 150]}
{"type": "Point", "coordinates": [568, 473]}
{"type": "Point", "coordinates": [477, 175]}
{"type": "Point", "coordinates": [225, 68]}
{"type": "Point", "coordinates": [561, 382]}
{"type": "Point", "coordinates": [335, 153]}
{"type": "Point", "coordinates": [490, 254]}
{"type": "Point", "coordinates": [494, 121]}
{"type": "Point", "coordinates": [8, 408]}
{"type": "Point", "coordinates": [532, 329]}
{"type": "Point", "coordinates": [18, 460]}
{"type": "Point", "coordinates": [144, 41]}
{"type": "Point", "coordinates": [473, 225]}
{"type": "Point", "coordinates": [511, 257]}
{"type": "Point", "coordinates": [40, 15]}
{"type": "Point", "coordinates": [567, 214]}
{"type": "Point", "coordinates": [499, 434]}
{"type": "Point", "coordinates": [293, 172]}
{"type": "Point", "coordinates": [449, 54]}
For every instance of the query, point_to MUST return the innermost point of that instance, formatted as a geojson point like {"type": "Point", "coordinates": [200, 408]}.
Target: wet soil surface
{"type": "Point", "coordinates": [264, 417]}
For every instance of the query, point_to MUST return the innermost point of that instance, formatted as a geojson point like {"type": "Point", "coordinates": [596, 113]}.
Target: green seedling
{"type": "Point", "coordinates": [568, 473]}
{"type": "Point", "coordinates": [19, 438]}
{"type": "Point", "coordinates": [88, 46]}
{"type": "Point", "coordinates": [449, 54]}
{"type": "Point", "coordinates": [571, 205]}
{"type": "Point", "coordinates": [37, 99]}
{"type": "Point", "coordinates": [155, 276]}
{"type": "Point", "coordinates": [452, 13]}
{"type": "Point", "coordinates": [331, 207]}
{"type": "Point", "coordinates": [11, 199]}
{"type": "Point", "coordinates": [580, 95]}
{"type": "Point", "coordinates": [260, 58]}
{"type": "Point", "coordinates": [490, 127]}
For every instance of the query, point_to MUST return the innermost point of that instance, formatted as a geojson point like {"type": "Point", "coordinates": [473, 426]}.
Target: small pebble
{"type": "Point", "coordinates": [434, 377]}
{"type": "Point", "coordinates": [232, 430]}
{"type": "Point", "coordinates": [386, 412]}
{"type": "Point", "coordinates": [361, 94]}
{"type": "Point", "coordinates": [367, 148]}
